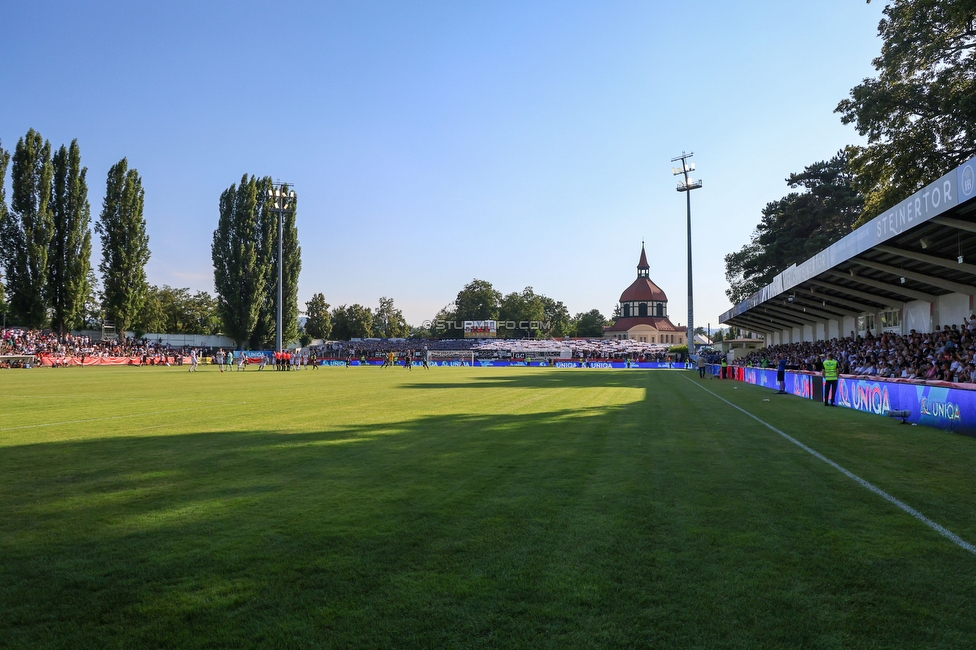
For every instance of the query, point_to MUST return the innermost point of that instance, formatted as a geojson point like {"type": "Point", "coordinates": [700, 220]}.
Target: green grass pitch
{"type": "Point", "coordinates": [468, 508]}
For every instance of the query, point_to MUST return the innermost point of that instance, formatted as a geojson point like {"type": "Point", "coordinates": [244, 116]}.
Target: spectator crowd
{"type": "Point", "coordinates": [60, 349]}
{"type": "Point", "coordinates": [946, 354]}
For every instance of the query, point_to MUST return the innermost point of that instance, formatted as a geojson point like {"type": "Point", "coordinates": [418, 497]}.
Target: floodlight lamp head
{"type": "Point", "coordinates": [291, 194]}
{"type": "Point", "coordinates": [925, 242]}
{"type": "Point", "coordinates": [691, 167]}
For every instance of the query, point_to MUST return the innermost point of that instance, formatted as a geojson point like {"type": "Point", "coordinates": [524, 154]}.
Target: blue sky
{"type": "Point", "coordinates": [523, 143]}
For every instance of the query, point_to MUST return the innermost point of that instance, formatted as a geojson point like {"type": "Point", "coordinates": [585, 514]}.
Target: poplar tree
{"type": "Point", "coordinates": [69, 254]}
{"type": "Point", "coordinates": [25, 231]}
{"type": "Point", "coordinates": [125, 246]}
{"type": "Point", "coordinates": [240, 271]}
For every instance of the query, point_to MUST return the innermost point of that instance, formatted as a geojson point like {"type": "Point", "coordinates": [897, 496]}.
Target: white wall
{"type": "Point", "coordinates": [808, 333]}
{"type": "Point", "coordinates": [951, 309]}
{"type": "Point", "coordinates": [916, 315]}
{"type": "Point", "coordinates": [848, 326]}
{"type": "Point", "coordinates": [819, 332]}
{"type": "Point", "coordinates": [833, 329]}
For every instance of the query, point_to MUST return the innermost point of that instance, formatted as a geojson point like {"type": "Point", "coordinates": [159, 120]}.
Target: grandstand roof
{"type": "Point", "coordinates": [920, 249]}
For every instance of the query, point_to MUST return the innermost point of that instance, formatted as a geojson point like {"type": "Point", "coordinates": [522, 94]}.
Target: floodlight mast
{"type": "Point", "coordinates": [282, 200]}
{"type": "Point", "coordinates": [686, 186]}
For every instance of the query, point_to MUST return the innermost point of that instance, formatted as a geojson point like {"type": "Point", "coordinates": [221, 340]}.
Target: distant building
{"type": "Point", "coordinates": [644, 312]}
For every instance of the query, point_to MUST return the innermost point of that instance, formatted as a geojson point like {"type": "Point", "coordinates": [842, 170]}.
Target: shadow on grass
{"type": "Point", "coordinates": [617, 526]}
{"type": "Point", "coordinates": [552, 378]}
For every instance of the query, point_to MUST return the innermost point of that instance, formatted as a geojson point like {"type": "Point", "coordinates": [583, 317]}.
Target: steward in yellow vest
{"type": "Point", "coordinates": [831, 373]}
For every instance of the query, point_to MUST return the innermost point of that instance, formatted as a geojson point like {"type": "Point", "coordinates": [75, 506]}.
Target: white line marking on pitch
{"type": "Point", "coordinates": [945, 532]}
{"type": "Point", "coordinates": [111, 417]}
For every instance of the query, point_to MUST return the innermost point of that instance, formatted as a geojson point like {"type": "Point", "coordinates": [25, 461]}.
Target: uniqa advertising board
{"type": "Point", "coordinates": [952, 409]}
{"type": "Point", "coordinates": [796, 383]}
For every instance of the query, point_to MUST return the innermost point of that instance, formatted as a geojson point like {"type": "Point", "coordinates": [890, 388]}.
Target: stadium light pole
{"type": "Point", "coordinates": [686, 186]}
{"type": "Point", "coordinates": [282, 201]}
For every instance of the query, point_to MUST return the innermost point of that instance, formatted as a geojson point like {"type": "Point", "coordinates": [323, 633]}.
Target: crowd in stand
{"type": "Point", "coordinates": [947, 354]}
{"type": "Point", "coordinates": [375, 348]}
{"type": "Point", "coordinates": [604, 349]}
{"type": "Point", "coordinates": [60, 348]}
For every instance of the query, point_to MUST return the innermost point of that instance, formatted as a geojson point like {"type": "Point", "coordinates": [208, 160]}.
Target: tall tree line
{"type": "Point", "coordinates": [245, 259]}
{"type": "Point", "coordinates": [919, 117]}
{"type": "Point", "coordinates": [822, 208]}
{"type": "Point", "coordinates": [45, 239]}
{"type": "Point", "coordinates": [919, 112]}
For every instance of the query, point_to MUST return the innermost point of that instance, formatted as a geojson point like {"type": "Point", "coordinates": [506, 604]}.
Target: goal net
{"type": "Point", "coordinates": [451, 357]}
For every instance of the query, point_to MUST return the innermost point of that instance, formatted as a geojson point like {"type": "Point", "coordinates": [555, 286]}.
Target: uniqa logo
{"type": "Point", "coordinates": [941, 410]}
{"type": "Point", "coordinates": [802, 386]}
{"type": "Point", "coordinates": [600, 364]}
{"type": "Point", "coordinates": [870, 398]}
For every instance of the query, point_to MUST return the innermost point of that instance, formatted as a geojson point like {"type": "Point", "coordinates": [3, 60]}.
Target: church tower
{"type": "Point", "coordinates": [644, 311]}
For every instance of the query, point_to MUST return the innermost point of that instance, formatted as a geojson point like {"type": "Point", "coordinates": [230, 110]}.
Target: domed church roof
{"type": "Point", "coordinates": [642, 289]}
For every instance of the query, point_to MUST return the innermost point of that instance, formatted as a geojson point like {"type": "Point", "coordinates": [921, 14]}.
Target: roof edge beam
{"type": "Point", "coordinates": [754, 325]}
{"type": "Point", "coordinates": [893, 288]}
{"type": "Point", "coordinates": [815, 309]}
{"type": "Point", "coordinates": [759, 319]}
{"type": "Point", "coordinates": [931, 280]}
{"type": "Point", "coordinates": [795, 313]}
{"type": "Point", "coordinates": [958, 224]}
{"type": "Point", "coordinates": [844, 310]}
{"type": "Point", "coordinates": [885, 302]}
{"type": "Point", "coordinates": [929, 259]}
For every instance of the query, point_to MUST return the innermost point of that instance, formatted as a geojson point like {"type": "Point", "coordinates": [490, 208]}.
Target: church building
{"type": "Point", "coordinates": [644, 312]}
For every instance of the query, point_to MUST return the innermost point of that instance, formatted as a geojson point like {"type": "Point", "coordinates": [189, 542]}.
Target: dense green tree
{"type": "Point", "coordinates": [478, 300]}
{"type": "Point", "coordinates": [556, 314]}
{"type": "Point", "coordinates": [125, 246]}
{"type": "Point", "coordinates": [318, 321]}
{"type": "Point", "coordinates": [521, 307]}
{"type": "Point", "coordinates": [69, 254]}
{"type": "Point", "coordinates": [153, 316]}
{"type": "Point", "coordinates": [447, 316]}
{"type": "Point", "coordinates": [264, 331]}
{"type": "Point", "coordinates": [352, 322]}
{"type": "Point", "coordinates": [590, 324]}
{"type": "Point", "coordinates": [919, 113]}
{"type": "Point", "coordinates": [388, 321]}
{"type": "Point", "coordinates": [26, 230]}
{"type": "Point", "coordinates": [796, 227]}
{"type": "Point", "coordinates": [169, 310]}
{"type": "Point", "coordinates": [91, 310]}
{"type": "Point", "coordinates": [241, 272]}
